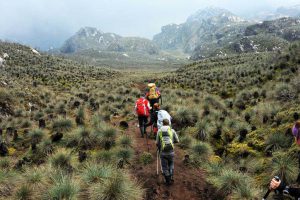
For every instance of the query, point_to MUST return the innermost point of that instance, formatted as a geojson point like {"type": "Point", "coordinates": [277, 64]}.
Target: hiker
{"type": "Point", "coordinates": [162, 114]}
{"type": "Point", "coordinates": [296, 131]}
{"type": "Point", "coordinates": [142, 108]}
{"type": "Point", "coordinates": [281, 187]}
{"type": "Point", "coordinates": [153, 95]}
{"type": "Point", "coordinates": [153, 118]}
{"type": "Point", "coordinates": [165, 140]}
{"type": "Point", "coordinates": [296, 134]}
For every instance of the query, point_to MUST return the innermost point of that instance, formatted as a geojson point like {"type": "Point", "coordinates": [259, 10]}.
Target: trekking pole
{"type": "Point", "coordinates": [152, 129]}
{"type": "Point", "coordinates": [157, 157]}
{"type": "Point", "coordinates": [269, 190]}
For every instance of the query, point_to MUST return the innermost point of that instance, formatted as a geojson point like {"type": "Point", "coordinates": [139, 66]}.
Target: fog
{"type": "Point", "coordinates": [48, 23]}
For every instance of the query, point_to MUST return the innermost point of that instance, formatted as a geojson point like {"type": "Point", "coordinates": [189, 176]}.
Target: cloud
{"type": "Point", "coordinates": [46, 23]}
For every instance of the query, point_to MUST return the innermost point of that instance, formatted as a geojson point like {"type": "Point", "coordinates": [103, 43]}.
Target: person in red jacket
{"type": "Point", "coordinates": [142, 109]}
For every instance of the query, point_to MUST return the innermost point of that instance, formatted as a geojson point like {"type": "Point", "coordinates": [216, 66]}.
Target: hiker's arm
{"type": "Point", "coordinates": [157, 142]}
{"type": "Point", "coordinates": [159, 120]}
{"type": "Point", "coordinates": [148, 105]}
{"type": "Point", "coordinates": [134, 111]}
{"type": "Point", "coordinates": [175, 137]}
{"type": "Point", "coordinates": [281, 187]}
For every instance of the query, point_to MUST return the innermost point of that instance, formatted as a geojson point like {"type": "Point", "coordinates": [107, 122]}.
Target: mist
{"type": "Point", "coordinates": [44, 24]}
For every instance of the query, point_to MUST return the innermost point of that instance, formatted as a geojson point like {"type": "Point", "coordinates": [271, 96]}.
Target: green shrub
{"type": "Point", "coordinates": [26, 123]}
{"type": "Point", "coordinates": [125, 141]}
{"type": "Point", "coordinates": [80, 117]}
{"type": "Point", "coordinates": [94, 173]}
{"type": "Point", "coordinates": [63, 188]}
{"type": "Point", "coordinates": [124, 154]}
{"type": "Point", "coordinates": [36, 136]}
{"type": "Point", "coordinates": [245, 192]}
{"type": "Point", "coordinates": [24, 192]}
{"type": "Point", "coordinates": [117, 187]}
{"type": "Point", "coordinates": [61, 159]}
{"type": "Point", "coordinates": [4, 163]}
{"type": "Point", "coordinates": [228, 180]}
{"type": "Point", "coordinates": [104, 156]}
{"type": "Point", "coordinates": [277, 141]}
{"type": "Point", "coordinates": [35, 176]}
{"type": "Point", "coordinates": [285, 92]}
{"type": "Point", "coordinates": [62, 125]}
{"type": "Point", "coordinates": [201, 150]}
{"type": "Point", "coordinates": [108, 139]}
{"type": "Point", "coordinates": [61, 108]}
{"type": "Point", "coordinates": [146, 158]}
{"type": "Point", "coordinates": [47, 147]}
{"type": "Point", "coordinates": [185, 117]}
{"type": "Point", "coordinates": [284, 166]}
{"type": "Point", "coordinates": [185, 142]}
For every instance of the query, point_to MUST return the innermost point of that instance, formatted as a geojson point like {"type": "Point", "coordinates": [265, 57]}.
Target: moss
{"type": "Point", "coordinates": [11, 151]}
{"type": "Point", "coordinates": [286, 116]}
{"type": "Point", "coordinates": [215, 159]}
{"type": "Point", "coordinates": [241, 150]}
{"type": "Point", "coordinates": [256, 139]}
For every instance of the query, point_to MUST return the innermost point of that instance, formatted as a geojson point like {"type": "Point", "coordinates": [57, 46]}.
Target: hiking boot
{"type": "Point", "coordinates": [168, 180]}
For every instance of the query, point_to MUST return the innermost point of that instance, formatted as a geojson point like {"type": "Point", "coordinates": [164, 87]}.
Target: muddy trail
{"type": "Point", "coordinates": [189, 183]}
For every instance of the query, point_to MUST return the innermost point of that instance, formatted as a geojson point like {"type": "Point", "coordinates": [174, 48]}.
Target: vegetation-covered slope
{"type": "Point", "coordinates": [59, 123]}
{"type": "Point", "coordinates": [238, 111]}
{"type": "Point", "coordinates": [56, 136]}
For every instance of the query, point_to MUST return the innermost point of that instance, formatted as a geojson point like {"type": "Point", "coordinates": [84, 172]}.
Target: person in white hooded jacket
{"type": "Point", "coordinates": [165, 139]}
{"type": "Point", "coordinates": [161, 115]}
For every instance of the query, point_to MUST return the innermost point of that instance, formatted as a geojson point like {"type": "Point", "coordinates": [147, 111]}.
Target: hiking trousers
{"type": "Point", "coordinates": [143, 120]}
{"type": "Point", "coordinates": [167, 164]}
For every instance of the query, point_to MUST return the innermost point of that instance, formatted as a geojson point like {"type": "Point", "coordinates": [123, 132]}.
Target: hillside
{"type": "Point", "coordinates": [284, 11]}
{"type": "Point", "coordinates": [217, 32]}
{"type": "Point", "coordinates": [266, 36]}
{"type": "Point", "coordinates": [68, 125]}
{"type": "Point", "coordinates": [243, 106]}
{"type": "Point", "coordinates": [91, 38]}
{"type": "Point", "coordinates": [201, 28]}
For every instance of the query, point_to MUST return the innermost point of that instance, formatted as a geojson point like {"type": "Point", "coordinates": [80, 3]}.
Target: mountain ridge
{"type": "Point", "coordinates": [92, 38]}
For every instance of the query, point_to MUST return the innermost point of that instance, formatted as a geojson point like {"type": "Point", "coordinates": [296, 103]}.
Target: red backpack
{"type": "Point", "coordinates": [142, 107]}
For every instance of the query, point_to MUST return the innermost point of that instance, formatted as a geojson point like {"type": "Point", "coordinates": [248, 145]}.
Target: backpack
{"type": "Point", "coordinates": [153, 93]}
{"type": "Point", "coordinates": [166, 140]}
{"type": "Point", "coordinates": [141, 107]}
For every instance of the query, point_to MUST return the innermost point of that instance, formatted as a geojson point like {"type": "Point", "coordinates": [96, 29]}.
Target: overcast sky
{"type": "Point", "coordinates": [45, 23]}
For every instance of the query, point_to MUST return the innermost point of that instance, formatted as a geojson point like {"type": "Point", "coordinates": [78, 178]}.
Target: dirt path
{"type": "Point", "coordinates": [189, 182]}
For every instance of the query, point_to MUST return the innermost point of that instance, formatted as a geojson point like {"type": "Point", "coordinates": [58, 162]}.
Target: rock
{"type": "Point", "coordinates": [56, 137]}
{"type": "Point", "coordinates": [82, 155]}
{"type": "Point", "coordinates": [186, 159]}
{"type": "Point", "coordinates": [79, 120]}
{"type": "Point", "coordinates": [42, 123]}
{"type": "Point", "coordinates": [3, 149]}
{"type": "Point", "coordinates": [296, 116]}
{"type": "Point", "coordinates": [1, 134]}
{"type": "Point", "coordinates": [15, 135]}
{"type": "Point", "coordinates": [124, 124]}
{"type": "Point", "coordinates": [76, 104]}
{"type": "Point", "coordinates": [1, 62]}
